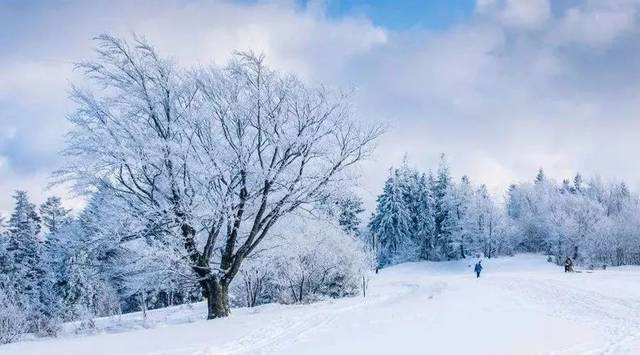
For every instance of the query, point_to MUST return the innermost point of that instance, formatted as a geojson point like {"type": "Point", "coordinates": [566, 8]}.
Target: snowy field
{"type": "Point", "coordinates": [520, 305]}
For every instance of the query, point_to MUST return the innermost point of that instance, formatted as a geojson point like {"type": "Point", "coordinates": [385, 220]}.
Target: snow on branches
{"type": "Point", "coordinates": [208, 160]}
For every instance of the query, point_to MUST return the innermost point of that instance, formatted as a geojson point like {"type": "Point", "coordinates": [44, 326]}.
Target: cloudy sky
{"type": "Point", "coordinates": [503, 87]}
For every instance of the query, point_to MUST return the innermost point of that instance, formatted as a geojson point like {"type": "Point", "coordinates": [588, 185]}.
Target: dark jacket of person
{"type": "Point", "coordinates": [478, 267]}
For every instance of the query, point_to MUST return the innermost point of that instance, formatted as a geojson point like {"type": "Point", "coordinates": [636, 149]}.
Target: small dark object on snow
{"type": "Point", "coordinates": [604, 267]}
{"type": "Point", "coordinates": [568, 265]}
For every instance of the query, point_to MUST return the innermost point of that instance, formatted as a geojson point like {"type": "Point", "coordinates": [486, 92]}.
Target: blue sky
{"type": "Point", "coordinates": [502, 86]}
{"type": "Point", "coordinates": [396, 15]}
{"type": "Point", "coordinates": [425, 14]}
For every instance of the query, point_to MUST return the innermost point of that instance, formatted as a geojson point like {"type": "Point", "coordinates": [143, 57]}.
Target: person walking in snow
{"type": "Point", "coordinates": [568, 265]}
{"type": "Point", "coordinates": [478, 268]}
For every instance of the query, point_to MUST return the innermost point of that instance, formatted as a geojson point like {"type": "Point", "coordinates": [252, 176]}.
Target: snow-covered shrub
{"type": "Point", "coordinates": [320, 260]}
{"type": "Point", "coordinates": [46, 326]}
{"type": "Point", "coordinates": [13, 320]}
{"type": "Point", "coordinates": [310, 260]}
{"type": "Point", "coordinates": [255, 282]}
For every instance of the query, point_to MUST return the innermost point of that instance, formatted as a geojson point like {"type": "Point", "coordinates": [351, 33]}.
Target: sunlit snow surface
{"type": "Point", "coordinates": [520, 305]}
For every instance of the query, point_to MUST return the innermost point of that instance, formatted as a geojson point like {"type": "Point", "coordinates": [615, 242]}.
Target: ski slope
{"type": "Point", "coordinates": [520, 305]}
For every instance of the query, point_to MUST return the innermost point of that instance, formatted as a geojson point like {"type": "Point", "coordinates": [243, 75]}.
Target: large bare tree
{"type": "Point", "coordinates": [210, 157]}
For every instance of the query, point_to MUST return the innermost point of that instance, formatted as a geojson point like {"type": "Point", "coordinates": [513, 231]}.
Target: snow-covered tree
{"type": "Point", "coordinates": [578, 184]}
{"type": "Point", "coordinates": [6, 260]}
{"type": "Point", "coordinates": [457, 224]}
{"type": "Point", "coordinates": [24, 232]}
{"type": "Point", "coordinates": [29, 277]}
{"type": "Point", "coordinates": [208, 160]}
{"type": "Point", "coordinates": [585, 221]}
{"type": "Point", "coordinates": [53, 214]}
{"type": "Point", "coordinates": [490, 232]}
{"type": "Point", "coordinates": [319, 260]}
{"type": "Point", "coordinates": [13, 318]}
{"type": "Point", "coordinates": [444, 203]}
{"type": "Point", "coordinates": [540, 177]}
{"type": "Point", "coordinates": [423, 215]}
{"type": "Point", "coordinates": [308, 259]}
{"type": "Point", "coordinates": [3, 226]}
{"type": "Point", "coordinates": [390, 226]}
{"type": "Point", "coordinates": [349, 211]}
{"type": "Point", "coordinates": [25, 248]}
{"type": "Point", "coordinates": [433, 218]}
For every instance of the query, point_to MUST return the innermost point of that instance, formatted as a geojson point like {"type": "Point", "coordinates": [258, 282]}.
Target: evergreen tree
{"type": "Point", "coordinates": [391, 223]}
{"type": "Point", "coordinates": [442, 190]}
{"type": "Point", "coordinates": [423, 216]}
{"type": "Point", "coordinates": [53, 214]}
{"type": "Point", "coordinates": [6, 260]}
{"type": "Point", "coordinates": [540, 177]}
{"type": "Point", "coordinates": [24, 246]}
{"type": "Point", "coordinates": [31, 278]}
{"type": "Point", "coordinates": [349, 210]}
{"type": "Point", "coordinates": [3, 227]}
{"type": "Point", "coordinates": [408, 180]}
{"type": "Point", "coordinates": [513, 205]}
{"type": "Point", "coordinates": [578, 183]}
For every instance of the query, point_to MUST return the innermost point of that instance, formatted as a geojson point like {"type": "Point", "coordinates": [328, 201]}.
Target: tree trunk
{"type": "Point", "coordinates": [217, 299]}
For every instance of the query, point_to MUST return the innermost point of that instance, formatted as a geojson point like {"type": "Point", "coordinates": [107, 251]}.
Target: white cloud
{"type": "Point", "coordinates": [303, 41]}
{"type": "Point", "coordinates": [32, 82]}
{"type": "Point", "coordinates": [526, 13]}
{"type": "Point", "coordinates": [514, 88]}
{"type": "Point", "coordinates": [597, 23]}
{"type": "Point", "coordinates": [523, 14]}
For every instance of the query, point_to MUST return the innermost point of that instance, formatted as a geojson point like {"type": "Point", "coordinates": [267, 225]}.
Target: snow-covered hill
{"type": "Point", "coordinates": [520, 305]}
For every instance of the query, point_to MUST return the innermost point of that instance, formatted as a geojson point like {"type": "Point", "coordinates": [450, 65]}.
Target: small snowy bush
{"type": "Point", "coordinates": [13, 321]}
{"type": "Point", "coordinates": [320, 261]}
{"type": "Point", "coordinates": [310, 260]}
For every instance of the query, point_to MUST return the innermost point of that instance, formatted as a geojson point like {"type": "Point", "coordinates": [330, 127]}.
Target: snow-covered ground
{"type": "Point", "coordinates": [520, 305]}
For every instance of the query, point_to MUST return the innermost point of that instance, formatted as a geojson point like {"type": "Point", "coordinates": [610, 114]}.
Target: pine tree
{"type": "Point", "coordinates": [442, 188]}
{"type": "Point", "coordinates": [349, 210]}
{"type": "Point", "coordinates": [3, 226]}
{"type": "Point", "coordinates": [24, 244]}
{"type": "Point", "coordinates": [423, 216]}
{"type": "Point", "coordinates": [32, 280]}
{"type": "Point", "coordinates": [540, 177]}
{"type": "Point", "coordinates": [57, 246]}
{"type": "Point", "coordinates": [513, 205]}
{"type": "Point", "coordinates": [96, 257]}
{"type": "Point", "coordinates": [578, 183]}
{"type": "Point", "coordinates": [75, 283]}
{"type": "Point", "coordinates": [6, 260]}
{"type": "Point", "coordinates": [53, 214]}
{"type": "Point", "coordinates": [390, 224]}
{"type": "Point", "coordinates": [407, 180]}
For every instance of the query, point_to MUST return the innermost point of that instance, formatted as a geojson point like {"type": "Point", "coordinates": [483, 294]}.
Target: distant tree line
{"type": "Point", "coordinates": [429, 216]}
